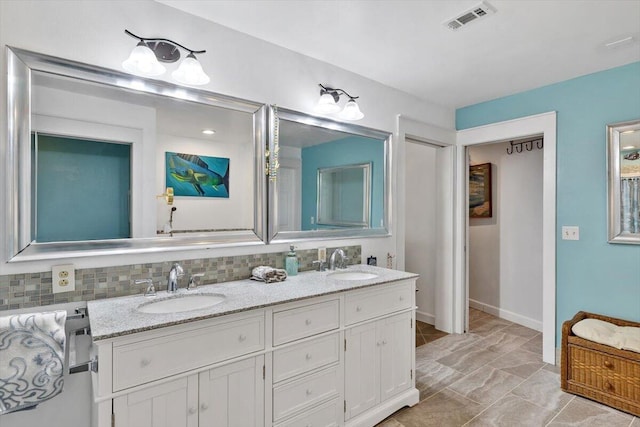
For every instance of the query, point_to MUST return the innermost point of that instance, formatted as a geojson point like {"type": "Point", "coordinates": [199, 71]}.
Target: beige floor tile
{"type": "Point", "coordinates": [468, 359]}
{"type": "Point", "coordinates": [521, 331]}
{"type": "Point", "coordinates": [430, 352]}
{"type": "Point", "coordinates": [513, 411]}
{"type": "Point", "coordinates": [454, 342]}
{"type": "Point", "coordinates": [485, 385]}
{"type": "Point", "coordinates": [534, 345]}
{"type": "Point", "coordinates": [484, 327]}
{"type": "Point", "coordinates": [445, 409]}
{"type": "Point", "coordinates": [635, 423]}
{"type": "Point", "coordinates": [519, 362]}
{"type": "Point", "coordinates": [583, 413]}
{"type": "Point", "coordinates": [501, 342]}
{"type": "Point", "coordinates": [431, 377]}
{"type": "Point", "coordinates": [543, 389]}
{"type": "Point", "coordinates": [389, 422]}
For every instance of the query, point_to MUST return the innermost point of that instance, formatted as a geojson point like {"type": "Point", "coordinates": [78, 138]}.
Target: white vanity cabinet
{"type": "Point", "coordinates": [345, 359]}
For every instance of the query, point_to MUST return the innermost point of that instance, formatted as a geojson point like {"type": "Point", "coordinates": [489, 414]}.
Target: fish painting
{"type": "Point", "coordinates": [200, 176]}
{"type": "Point", "coordinates": [632, 156]}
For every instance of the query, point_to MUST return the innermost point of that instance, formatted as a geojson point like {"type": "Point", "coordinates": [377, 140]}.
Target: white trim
{"type": "Point", "coordinates": [532, 125]}
{"type": "Point", "coordinates": [426, 317]}
{"type": "Point", "coordinates": [507, 315]}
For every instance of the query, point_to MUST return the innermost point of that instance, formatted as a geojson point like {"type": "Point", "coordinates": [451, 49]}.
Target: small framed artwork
{"type": "Point", "coordinates": [198, 176]}
{"type": "Point", "coordinates": [480, 191]}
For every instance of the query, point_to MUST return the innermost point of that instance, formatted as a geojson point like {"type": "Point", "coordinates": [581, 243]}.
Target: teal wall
{"type": "Point", "coordinates": [592, 275]}
{"type": "Point", "coordinates": [346, 151]}
{"type": "Point", "coordinates": [82, 189]}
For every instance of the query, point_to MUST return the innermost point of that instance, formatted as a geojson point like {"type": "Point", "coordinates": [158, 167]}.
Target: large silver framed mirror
{"type": "Point", "coordinates": [623, 153]}
{"type": "Point", "coordinates": [102, 162]}
{"type": "Point", "coordinates": [332, 179]}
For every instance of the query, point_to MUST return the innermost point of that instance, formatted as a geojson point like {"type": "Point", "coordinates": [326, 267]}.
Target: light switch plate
{"type": "Point", "coordinates": [63, 278]}
{"type": "Point", "coordinates": [322, 254]}
{"type": "Point", "coordinates": [570, 232]}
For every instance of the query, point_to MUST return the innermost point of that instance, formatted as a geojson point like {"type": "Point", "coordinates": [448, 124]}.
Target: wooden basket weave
{"type": "Point", "coordinates": [600, 372]}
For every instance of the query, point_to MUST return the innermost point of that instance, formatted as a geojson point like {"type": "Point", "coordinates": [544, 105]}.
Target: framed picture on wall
{"type": "Point", "coordinates": [480, 191]}
{"type": "Point", "coordinates": [198, 176]}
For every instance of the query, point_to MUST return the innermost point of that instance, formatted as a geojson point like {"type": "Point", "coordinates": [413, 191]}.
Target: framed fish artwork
{"type": "Point", "coordinates": [197, 176]}
{"type": "Point", "coordinates": [480, 191]}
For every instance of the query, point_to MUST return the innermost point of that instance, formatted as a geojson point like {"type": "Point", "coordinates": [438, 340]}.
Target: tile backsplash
{"type": "Point", "coordinates": [35, 289]}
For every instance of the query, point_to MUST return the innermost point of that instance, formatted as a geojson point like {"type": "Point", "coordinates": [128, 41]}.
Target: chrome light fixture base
{"type": "Point", "coordinates": [328, 103]}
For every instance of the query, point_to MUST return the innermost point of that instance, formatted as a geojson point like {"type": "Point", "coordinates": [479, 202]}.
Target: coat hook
{"type": "Point", "coordinates": [519, 147]}
{"type": "Point", "coordinates": [528, 145]}
{"type": "Point", "coordinates": [540, 144]}
{"type": "Point", "coordinates": [510, 152]}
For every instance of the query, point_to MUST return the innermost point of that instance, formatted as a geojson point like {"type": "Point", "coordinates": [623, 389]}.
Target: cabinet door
{"type": "Point", "coordinates": [233, 395]}
{"type": "Point", "coordinates": [172, 404]}
{"type": "Point", "coordinates": [362, 367]}
{"type": "Point", "coordinates": [395, 335]}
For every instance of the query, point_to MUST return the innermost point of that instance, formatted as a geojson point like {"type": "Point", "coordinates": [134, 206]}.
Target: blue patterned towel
{"type": "Point", "coordinates": [31, 359]}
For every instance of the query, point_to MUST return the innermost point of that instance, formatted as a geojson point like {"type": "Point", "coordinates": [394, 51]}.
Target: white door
{"type": "Point", "coordinates": [395, 335]}
{"type": "Point", "coordinates": [362, 367]}
{"type": "Point", "coordinates": [172, 404]}
{"type": "Point", "coordinates": [233, 395]}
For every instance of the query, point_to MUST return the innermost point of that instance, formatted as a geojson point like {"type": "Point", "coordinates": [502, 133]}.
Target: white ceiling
{"type": "Point", "coordinates": [404, 44]}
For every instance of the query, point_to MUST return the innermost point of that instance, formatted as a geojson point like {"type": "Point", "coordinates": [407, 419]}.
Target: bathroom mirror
{"type": "Point", "coordinates": [344, 196]}
{"type": "Point", "coordinates": [101, 162]}
{"type": "Point", "coordinates": [332, 179]}
{"type": "Point", "coordinates": [623, 153]}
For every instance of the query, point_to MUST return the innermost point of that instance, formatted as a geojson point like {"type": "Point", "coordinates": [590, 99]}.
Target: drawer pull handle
{"type": "Point", "coordinates": [358, 308]}
{"type": "Point", "coordinates": [308, 356]}
{"type": "Point", "coordinates": [242, 337]}
{"type": "Point", "coordinates": [307, 322]}
{"type": "Point", "coordinates": [608, 364]}
{"type": "Point", "coordinates": [192, 410]}
{"type": "Point", "coordinates": [204, 407]}
{"type": "Point", "coordinates": [309, 392]}
{"type": "Point", "coordinates": [145, 362]}
{"type": "Point", "coordinates": [608, 385]}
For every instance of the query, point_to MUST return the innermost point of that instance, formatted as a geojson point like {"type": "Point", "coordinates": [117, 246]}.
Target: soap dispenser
{"type": "Point", "coordinates": [291, 262]}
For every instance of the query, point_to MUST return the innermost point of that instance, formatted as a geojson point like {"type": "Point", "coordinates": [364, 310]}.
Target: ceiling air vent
{"type": "Point", "coordinates": [475, 13]}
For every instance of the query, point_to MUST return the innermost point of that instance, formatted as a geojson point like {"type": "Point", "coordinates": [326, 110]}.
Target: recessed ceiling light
{"type": "Point", "coordinates": [629, 147]}
{"type": "Point", "coordinates": [208, 131]}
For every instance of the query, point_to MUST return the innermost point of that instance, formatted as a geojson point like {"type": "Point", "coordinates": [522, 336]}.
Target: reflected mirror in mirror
{"type": "Point", "coordinates": [113, 159]}
{"type": "Point", "coordinates": [331, 181]}
{"type": "Point", "coordinates": [624, 182]}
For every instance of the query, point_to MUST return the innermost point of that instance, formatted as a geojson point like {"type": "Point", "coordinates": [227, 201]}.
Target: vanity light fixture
{"type": "Point", "coordinates": [328, 103]}
{"type": "Point", "coordinates": [145, 60]}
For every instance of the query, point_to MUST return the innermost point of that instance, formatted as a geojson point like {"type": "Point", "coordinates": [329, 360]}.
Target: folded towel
{"type": "Point", "coordinates": [267, 274]}
{"type": "Point", "coordinates": [31, 359]}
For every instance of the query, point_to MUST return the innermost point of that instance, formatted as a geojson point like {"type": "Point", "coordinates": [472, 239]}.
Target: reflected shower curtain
{"type": "Point", "coordinates": [630, 204]}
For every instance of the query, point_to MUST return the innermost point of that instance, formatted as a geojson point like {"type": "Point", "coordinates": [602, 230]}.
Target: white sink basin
{"type": "Point", "coordinates": [181, 303]}
{"type": "Point", "coordinates": [352, 275]}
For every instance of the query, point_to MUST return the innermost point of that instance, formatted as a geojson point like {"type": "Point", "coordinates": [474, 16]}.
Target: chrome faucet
{"type": "Point", "coordinates": [340, 262]}
{"type": "Point", "coordinates": [175, 273]}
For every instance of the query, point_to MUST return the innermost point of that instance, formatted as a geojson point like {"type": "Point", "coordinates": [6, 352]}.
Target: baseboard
{"type": "Point", "coordinates": [378, 413]}
{"type": "Point", "coordinates": [507, 315]}
{"type": "Point", "coordinates": [425, 317]}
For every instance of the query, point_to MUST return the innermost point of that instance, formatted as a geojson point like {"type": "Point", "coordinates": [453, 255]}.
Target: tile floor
{"type": "Point", "coordinates": [494, 376]}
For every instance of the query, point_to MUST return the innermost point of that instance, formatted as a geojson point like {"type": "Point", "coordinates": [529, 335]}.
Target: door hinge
{"type": "Point", "coordinates": [113, 420]}
{"type": "Point", "coordinates": [345, 344]}
{"type": "Point", "coordinates": [264, 370]}
{"type": "Point", "coordinates": [345, 406]}
{"type": "Point", "coordinates": [411, 373]}
{"type": "Point", "coordinates": [410, 323]}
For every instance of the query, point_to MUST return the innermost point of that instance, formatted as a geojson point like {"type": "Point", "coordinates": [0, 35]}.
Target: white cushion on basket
{"type": "Point", "coordinates": [620, 337]}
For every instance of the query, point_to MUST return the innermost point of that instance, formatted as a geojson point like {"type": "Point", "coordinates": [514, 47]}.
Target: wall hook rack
{"type": "Point", "coordinates": [527, 145]}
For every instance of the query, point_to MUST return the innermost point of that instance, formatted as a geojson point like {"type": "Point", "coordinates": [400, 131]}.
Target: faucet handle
{"type": "Point", "coordinates": [322, 266]}
{"type": "Point", "coordinates": [151, 289]}
{"type": "Point", "coordinates": [192, 281]}
{"type": "Point", "coordinates": [179, 270]}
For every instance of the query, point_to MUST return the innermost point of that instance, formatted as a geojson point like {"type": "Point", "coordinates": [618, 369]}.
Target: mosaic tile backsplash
{"type": "Point", "coordinates": [35, 289]}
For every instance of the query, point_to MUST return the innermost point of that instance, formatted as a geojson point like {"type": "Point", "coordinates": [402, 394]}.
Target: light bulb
{"type": "Point", "coordinates": [190, 72]}
{"type": "Point", "coordinates": [351, 111]}
{"type": "Point", "coordinates": [143, 62]}
{"type": "Point", "coordinates": [327, 104]}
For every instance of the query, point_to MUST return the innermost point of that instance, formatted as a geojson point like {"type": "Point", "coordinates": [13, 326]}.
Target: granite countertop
{"type": "Point", "coordinates": [114, 317]}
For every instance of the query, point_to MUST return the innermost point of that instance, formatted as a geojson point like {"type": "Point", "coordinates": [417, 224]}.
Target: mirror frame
{"type": "Point", "coordinates": [366, 168]}
{"type": "Point", "coordinates": [613, 170]}
{"type": "Point", "coordinates": [18, 245]}
{"type": "Point", "coordinates": [277, 236]}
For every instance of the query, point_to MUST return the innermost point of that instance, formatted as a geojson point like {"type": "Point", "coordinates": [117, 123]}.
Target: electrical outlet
{"type": "Point", "coordinates": [322, 254]}
{"type": "Point", "coordinates": [570, 232]}
{"type": "Point", "coordinates": [63, 278]}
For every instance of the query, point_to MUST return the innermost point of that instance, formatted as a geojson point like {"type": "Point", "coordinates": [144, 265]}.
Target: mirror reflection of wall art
{"type": "Point", "coordinates": [480, 191]}
{"type": "Point", "coordinates": [200, 176]}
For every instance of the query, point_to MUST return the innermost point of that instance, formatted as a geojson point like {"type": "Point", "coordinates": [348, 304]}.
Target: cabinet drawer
{"type": "Point", "coordinates": [364, 305]}
{"type": "Point", "coordinates": [160, 357]}
{"type": "Point", "coordinates": [305, 392]}
{"type": "Point", "coordinates": [603, 372]}
{"type": "Point", "coordinates": [304, 357]}
{"type": "Point", "coordinates": [327, 415]}
{"type": "Point", "coordinates": [290, 325]}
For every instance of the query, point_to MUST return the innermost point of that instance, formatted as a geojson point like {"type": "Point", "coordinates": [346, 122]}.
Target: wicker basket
{"type": "Point", "coordinates": [600, 372]}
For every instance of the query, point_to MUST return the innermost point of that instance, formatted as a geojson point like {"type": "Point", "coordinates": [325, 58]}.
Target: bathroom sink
{"type": "Point", "coordinates": [181, 303]}
{"type": "Point", "coordinates": [352, 275]}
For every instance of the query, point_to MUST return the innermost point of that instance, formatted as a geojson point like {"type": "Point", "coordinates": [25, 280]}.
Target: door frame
{"type": "Point", "coordinates": [544, 124]}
